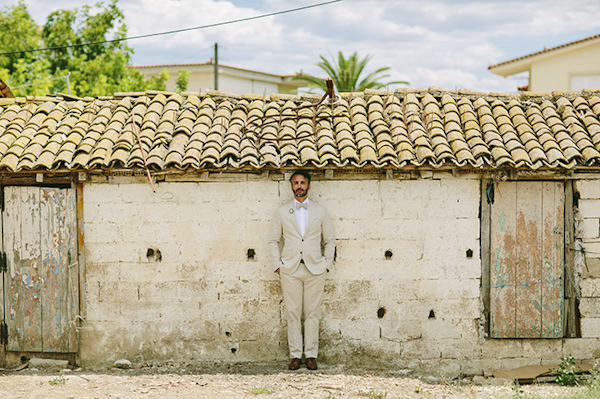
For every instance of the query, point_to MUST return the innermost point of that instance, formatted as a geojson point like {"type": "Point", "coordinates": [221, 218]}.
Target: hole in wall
{"type": "Point", "coordinates": [431, 314]}
{"type": "Point", "coordinates": [153, 255]}
{"type": "Point", "coordinates": [388, 254]}
{"type": "Point", "coordinates": [228, 333]}
{"type": "Point", "coordinates": [469, 253]}
{"type": "Point", "coordinates": [251, 254]}
{"type": "Point", "coordinates": [334, 254]}
{"type": "Point", "coordinates": [576, 196]}
{"type": "Point", "coordinates": [233, 350]}
{"type": "Point", "coordinates": [381, 312]}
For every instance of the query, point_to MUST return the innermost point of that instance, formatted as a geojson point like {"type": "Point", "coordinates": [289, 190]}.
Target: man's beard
{"type": "Point", "coordinates": [300, 193]}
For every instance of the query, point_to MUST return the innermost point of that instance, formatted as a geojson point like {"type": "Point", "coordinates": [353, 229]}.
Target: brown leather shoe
{"type": "Point", "coordinates": [311, 363]}
{"type": "Point", "coordinates": [294, 364]}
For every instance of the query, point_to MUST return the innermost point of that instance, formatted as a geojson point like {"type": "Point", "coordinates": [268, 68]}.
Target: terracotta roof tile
{"type": "Point", "coordinates": [407, 128]}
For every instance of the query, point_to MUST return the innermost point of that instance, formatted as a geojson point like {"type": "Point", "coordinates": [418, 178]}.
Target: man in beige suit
{"type": "Point", "coordinates": [302, 226]}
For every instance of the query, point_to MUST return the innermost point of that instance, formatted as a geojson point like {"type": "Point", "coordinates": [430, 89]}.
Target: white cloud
{"type": "Point", "coordinates": [431, 43]}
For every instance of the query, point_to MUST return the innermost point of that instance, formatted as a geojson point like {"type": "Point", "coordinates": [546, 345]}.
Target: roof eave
{"type": "Point", "coordinates": [523, 64]}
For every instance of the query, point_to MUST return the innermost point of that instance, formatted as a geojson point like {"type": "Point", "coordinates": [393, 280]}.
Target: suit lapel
{"type": "Point", "coordinates": [311, 214]}
{"type": "Point", "coordinates": [292, 217]}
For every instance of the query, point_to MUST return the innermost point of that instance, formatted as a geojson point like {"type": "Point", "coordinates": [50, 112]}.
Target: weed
{"type": "Point", "coordinates": [262, 390]}
{"type": "Point", "coordinates": [60, 380]}
{"type": "Point", "coordinates": [566, 374]}
{"type": "Point", "coordinates": [372, 394]}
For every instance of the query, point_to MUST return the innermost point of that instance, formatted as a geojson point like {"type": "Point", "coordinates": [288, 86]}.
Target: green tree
{"type": "Point", "coordinates": [182, 80]}
{"type": "Point", "coordinates": [346, 74]}
{"type": "Point", "coordinates": [93, 69]}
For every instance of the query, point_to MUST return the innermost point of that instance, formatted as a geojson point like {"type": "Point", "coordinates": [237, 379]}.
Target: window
{"type": "Point", "coordinates": [580, 82]}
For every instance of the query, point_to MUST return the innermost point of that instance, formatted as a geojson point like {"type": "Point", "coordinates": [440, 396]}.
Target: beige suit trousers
{"type": "Point", "coordinates": [302, 289]}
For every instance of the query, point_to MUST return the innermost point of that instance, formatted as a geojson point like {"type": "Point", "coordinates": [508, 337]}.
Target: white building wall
{"type": "Point", "coordinates": [418, 307]}
{"type": "Point", "coordinates": [556, 72]}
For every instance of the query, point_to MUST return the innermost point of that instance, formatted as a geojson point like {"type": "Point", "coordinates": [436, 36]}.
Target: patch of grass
{"type": "Point", "coordinates": [262, 390]}
{"type": "Point", "coordinates": [372, 394]}
{"type": "Point", "coordinates": [60, 380]}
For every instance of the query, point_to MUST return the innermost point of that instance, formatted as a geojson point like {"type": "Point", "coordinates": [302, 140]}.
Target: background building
{"type": "Point", "coordinates": [573, 66]}
{"type": "Point", "coordinates": [230, 79]}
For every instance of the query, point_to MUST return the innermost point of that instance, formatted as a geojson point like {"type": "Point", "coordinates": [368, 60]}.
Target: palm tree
{"type": "Point", "coordinates": [346, 74]}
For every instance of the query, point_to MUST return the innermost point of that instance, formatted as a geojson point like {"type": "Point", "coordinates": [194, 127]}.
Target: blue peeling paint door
{"type": "Point", "coordinates": [527, 260]}
{"type": "Point", "coordinates": [42, 291]}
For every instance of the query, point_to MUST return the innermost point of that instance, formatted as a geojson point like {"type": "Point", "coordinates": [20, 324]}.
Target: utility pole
{"type": "Point", "coordinates": [216, 66]}
{"type": "Point", "coordinates": [68, 83]}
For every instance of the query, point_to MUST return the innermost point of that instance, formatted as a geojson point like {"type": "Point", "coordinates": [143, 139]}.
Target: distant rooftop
{"type": "Point", "coordinates": [196, 64]}
{"type": "Point", "coordinates": [546, 51]}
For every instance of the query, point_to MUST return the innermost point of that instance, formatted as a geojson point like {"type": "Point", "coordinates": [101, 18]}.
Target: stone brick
{"type": "Point", "coordinates": [449, 329]}
{"type": "Point", "coordinates": [461, 349]}
{"type": "Point", "coordinates": [499, 348]}
{"type": "Point", "coordinates": [590, 287]}
{"type": "Point", "coordinates": [248, 351]}
{"type": "Point", "coordinates": [352, 329]}
{"type": "Point", "coordinates": [100, 311]}
{"type": "Point", "coordinates": [405, 330]}
{"type": "Point", "coordinates": [421, 349]}
{"type": "Point", "coordinates": [589, 307]}
{"type": "Point", "coordinates": [591, 228]}
{"type": "Point", "coordinates": [509, 363]}
{"type": "Point", "coordinates": [591, 268]}
{"type": "Point", "coordinates": [591, 247]}
{"type": "Point", "coordinates": [546, 349]}
{"type": "Point", "coordinates": [439, 371]}
{"type": "Point", "coordinates": [590, 327]}
{"type": "Point", "coordinates": [449, 289]}
{"type": "Point", "coordinates": [479, 366]}
{"type": "Point", "coordinates": [588, 189]}
{"type": "Point", "coordinates": [589, 208]}
{"type": "Point", "coordinates": [581, 348]}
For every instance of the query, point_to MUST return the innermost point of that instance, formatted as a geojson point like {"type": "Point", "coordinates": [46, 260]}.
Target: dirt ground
{"type": "Point", "coordinates": [173, 381]}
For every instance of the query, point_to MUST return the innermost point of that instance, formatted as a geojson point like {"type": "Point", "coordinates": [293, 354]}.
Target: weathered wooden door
{"type": "Point", "coordinates": [527, 260]}
{"type": "Point", "coordinates": [42, 290]}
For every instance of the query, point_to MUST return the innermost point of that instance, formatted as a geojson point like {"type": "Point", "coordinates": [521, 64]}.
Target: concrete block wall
{"type": "Point", "coordinates": [168, 275]}
{"type": "Point", "coordinates": [404, 292]}
{"type": "Point", "coordinates": [589, 233]}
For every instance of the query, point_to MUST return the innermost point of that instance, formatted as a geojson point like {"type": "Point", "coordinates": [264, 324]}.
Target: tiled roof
{"type": "Point", "coordinates": [405, 129]}
{"type": "Point", "coordinates": [545, 51]}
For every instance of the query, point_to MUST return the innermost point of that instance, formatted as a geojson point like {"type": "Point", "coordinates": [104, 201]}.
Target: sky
{"type": "Point", "coordinates": [447, 44]}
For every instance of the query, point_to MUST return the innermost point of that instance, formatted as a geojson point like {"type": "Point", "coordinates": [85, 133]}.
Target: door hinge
{"type": "Point", "coordinates": [3, 334]}
{"type": "Point", "coordinates": [3, 262]}
{"type": "Point", "coordinates": [489, 190]}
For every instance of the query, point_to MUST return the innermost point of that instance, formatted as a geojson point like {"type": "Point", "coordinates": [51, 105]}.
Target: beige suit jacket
{"type": "Point", "coordinates": [288, 247]}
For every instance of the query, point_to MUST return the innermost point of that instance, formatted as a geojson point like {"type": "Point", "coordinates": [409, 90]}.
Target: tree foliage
{"type": "Point", "coordinates": [346, 74]}
{"type": "Point", "coordinates": [93, 69]}
{"type": "Point", "coordinates": [182, 80]}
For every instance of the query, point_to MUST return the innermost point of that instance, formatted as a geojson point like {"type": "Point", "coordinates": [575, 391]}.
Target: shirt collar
{"type": "Point", "coordinates": [306, 201]}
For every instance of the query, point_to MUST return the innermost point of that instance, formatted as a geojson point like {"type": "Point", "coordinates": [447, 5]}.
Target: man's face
{"type": "Point", "coordinates": [300, 186]}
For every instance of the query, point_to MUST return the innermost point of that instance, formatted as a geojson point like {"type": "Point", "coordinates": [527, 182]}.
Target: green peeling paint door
{"type": "Point", "coordinates": [527, 260]}
{"type": "Point", "coordinates": [42, 290]}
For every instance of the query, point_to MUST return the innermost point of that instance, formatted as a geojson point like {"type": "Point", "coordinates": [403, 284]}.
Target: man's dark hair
{"type": "Point", "coordinates": [302, 173]}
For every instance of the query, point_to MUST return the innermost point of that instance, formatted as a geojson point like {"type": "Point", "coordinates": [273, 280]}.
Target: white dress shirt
{"type": "Point", "coordinates": [301, 215]}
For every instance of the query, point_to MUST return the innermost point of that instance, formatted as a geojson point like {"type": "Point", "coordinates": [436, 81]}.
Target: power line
{"type": "Point", "coordinates": [39, 82]}
{"type": "Point", "coordinates": [175, 31]}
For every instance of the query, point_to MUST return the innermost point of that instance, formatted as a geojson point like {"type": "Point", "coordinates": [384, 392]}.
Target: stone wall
{"type": "Point", "coordinates": [589, 266]}
{"type": "Point", "coordinates": [184, 273]}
